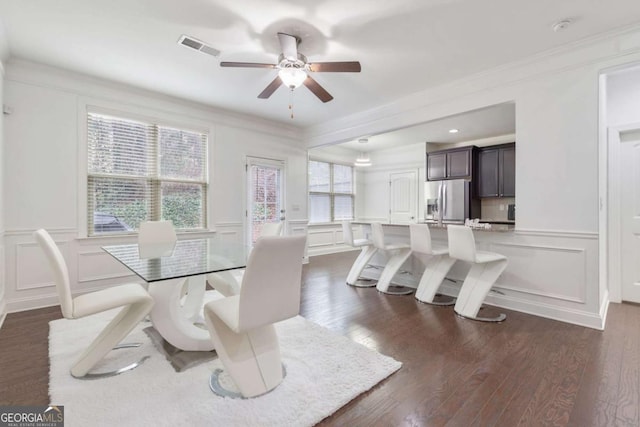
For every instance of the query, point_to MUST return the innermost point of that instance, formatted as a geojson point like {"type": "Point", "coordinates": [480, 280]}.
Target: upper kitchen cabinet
{"type": "Point", "coordinates": [436, 166]}
{"type": "Point", "coordinates": [497, 171]}
{"type": "Point", "coordinates": [456, 163]}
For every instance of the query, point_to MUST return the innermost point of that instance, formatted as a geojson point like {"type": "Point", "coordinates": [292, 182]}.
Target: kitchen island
{"type": "Point", "coordinates": [548, 273]}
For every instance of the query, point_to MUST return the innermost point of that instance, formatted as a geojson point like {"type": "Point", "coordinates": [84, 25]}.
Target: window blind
{"type": "Point", "coordinates": [331, 192]}
{"type": "Point", "coordinates": [141, 171]}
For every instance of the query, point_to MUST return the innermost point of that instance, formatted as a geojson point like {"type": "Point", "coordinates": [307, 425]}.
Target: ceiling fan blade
{"type": "Point", "coordinates": [317, 90]}
{"type": "Point", "coordinates": [247, 65]}
{"type": "Point", "coordinates": [336, 67]}
{"type": "Point", "coordinates": [289, 45]}
{"type": "Point", "coordinates": [268, 91]}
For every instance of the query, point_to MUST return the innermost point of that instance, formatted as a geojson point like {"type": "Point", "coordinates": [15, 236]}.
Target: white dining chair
{"type": "Point", "coordinates": [228, 282]}
{"type": "Point", "coordinates": [134, 301]}
{"type": "Point", "coordinates": [486, 267]}
{"type": "Point", "coordinates": [271, 229]}
{"type": "Point", "coordinates": [156, 239]}
{"type": "Point", "coordinates": [437, 265]}
{"type": "Point", "coordinates": [398, 253]}
{"type": "Point", "coordinates": [242, 326]}
{"type": "Point", "coordinates": [368, 250]}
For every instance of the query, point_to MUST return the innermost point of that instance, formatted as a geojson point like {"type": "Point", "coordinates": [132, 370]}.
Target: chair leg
{"type": "Point", "coordinates": [252, 358]}
{"type": "Point", "coordinates": [359, 265]}
{"type": "Point", "coordinates": [475, 288]}
{"type": "Point", "coordinates": [390, 270]}
{"type": "Point", "coordinates": [110, 336]}
{"type": "Point", "coordinates": [434, 273]}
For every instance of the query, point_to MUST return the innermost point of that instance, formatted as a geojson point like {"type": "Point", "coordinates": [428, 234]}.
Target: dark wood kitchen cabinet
{"type": "Point", "coordinates": [497, 171]}
{"type": "Point", "coordinates": [456, 163]}
{"type": "Point", "coordinates": [436, 166]}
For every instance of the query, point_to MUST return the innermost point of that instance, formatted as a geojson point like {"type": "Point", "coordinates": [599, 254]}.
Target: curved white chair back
{"type": "Point", "coordinates": [271, 229]}
{"type": "Point", "coordinates": [156, 239]}
{"type": "Point", "coordinates": [270, 290]}
{"type": "Point", "coordinates": [377, 235]}
{"type": "Point", "coordinates": [153, 232]}
{"type": "Point", "coordinates": [420, 236]}
{"type": "Point", "coordinates": [60, 272]}
{"type": "Point", "coordinates": [347, 233]}
{"type": "Point", "coordinates": [462, 244]}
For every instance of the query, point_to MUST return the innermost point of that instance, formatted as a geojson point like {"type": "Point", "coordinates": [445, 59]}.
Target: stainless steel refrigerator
{"type": "Point", "coordinates": [449, 197]}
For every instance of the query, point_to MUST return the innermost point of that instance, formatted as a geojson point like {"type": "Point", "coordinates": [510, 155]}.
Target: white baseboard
{"type": "Point", "coordinates": [562, 314]}
{"type": "Point", "coordinates": [46, 300]}
{"type": "Point", "coordinates": [31, 303]}
{"type": "Point", "coordinates": [604, 308]}
{"type": "Point", "coordinates": [3, 313]}
{"type": "Point", "coordinates": [330, 250]}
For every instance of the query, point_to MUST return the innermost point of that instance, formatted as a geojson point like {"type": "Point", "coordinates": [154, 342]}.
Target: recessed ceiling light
{"type": "Point", "coordinates": [453, 130]}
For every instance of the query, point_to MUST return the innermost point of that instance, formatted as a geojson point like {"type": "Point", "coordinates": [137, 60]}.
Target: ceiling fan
{"type": "Point", "coordinates": [293, 69]}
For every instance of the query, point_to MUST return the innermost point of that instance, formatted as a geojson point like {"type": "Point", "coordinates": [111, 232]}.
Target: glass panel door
{"type": "Point", "coordinates": [266, 195]}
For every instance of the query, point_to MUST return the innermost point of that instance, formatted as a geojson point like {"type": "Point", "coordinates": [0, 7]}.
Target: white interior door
{"type": "Point", "coordinates": [265, 183]}
{"type": "Point", "coordinates": [403, 197]}
{"type": "Point", "coordinates": [630, 219]}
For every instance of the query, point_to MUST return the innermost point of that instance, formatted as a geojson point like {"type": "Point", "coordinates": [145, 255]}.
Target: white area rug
{"type": "Point", "coordinates": [324, 372]}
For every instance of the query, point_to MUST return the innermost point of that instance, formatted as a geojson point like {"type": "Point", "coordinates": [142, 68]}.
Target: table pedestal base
{"type": "Point", "coordinates": [174, 317]}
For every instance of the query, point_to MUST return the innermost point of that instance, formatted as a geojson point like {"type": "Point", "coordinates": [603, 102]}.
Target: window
{"type": "Point", "coordinates": [141, 171]}
{"type": "Point", "coordinates": [331, 192]}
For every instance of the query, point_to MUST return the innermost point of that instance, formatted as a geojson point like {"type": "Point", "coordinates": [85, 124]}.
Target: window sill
{"type": "Point", "coordinates": [326, 224]}
{"type": "Point", "coordinates": [185, 233]}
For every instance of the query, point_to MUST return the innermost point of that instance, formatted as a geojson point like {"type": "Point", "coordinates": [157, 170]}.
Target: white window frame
{"type": "Point", "coordinates": [160, 118]}
{"type": "Point", "coordinates": [331, 193]}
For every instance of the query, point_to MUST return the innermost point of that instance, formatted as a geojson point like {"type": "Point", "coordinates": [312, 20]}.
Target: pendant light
{"type": "Point", "coordinates": [363, 159]}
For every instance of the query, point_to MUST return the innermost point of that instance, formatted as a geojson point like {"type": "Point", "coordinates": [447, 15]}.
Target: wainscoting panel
{"type": "Point", "coordinates": [31, 265]}
{"type": "Point", "coordinates": [99, 265]}
{"type": "Point", "coordinates": [528, 262]}
{"type": "Point", "coordinates": [328, 238]}
{"type": "Point", "coordinates": [549, 273]}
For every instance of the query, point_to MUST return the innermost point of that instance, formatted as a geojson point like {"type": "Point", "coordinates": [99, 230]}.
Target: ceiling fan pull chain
{"type": "Point", "coordinates": [291, 102]}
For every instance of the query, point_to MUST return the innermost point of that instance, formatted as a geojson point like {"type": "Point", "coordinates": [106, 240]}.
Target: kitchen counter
{"type": "Point", "coordinates": [496, 228]}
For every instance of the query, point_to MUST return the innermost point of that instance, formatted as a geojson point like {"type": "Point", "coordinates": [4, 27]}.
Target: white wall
{"type": "Point", "coordinates": [376, 178]}
{"type": "Point", "coordinates": [45, 177]}
{"type": "Point", "coordinates": [4, 53]}
{"type": "Point", "coordinates": [556, 95]}
{"type": "Point", "coordinates": [2, 204]}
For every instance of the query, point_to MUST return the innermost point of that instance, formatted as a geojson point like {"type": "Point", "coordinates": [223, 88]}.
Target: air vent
{"type": "Point", "coordinates": [193, 43]}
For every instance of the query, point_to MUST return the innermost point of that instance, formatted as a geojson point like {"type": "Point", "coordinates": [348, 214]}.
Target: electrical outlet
{"type": "Point", "coordinates": [501, 207]}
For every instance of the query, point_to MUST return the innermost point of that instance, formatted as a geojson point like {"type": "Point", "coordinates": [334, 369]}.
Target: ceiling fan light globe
{"type": "Point", "coordinates": [292, 77]}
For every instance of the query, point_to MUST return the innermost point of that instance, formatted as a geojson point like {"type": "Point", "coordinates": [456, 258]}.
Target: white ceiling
{"type": "Point", "coordinates": [487, 122]}
{"type": "Point", "coordinates": [404, 45]}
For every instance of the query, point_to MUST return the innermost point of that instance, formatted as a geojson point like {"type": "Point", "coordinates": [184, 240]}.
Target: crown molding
{"type": "Point", "coordinates": [621, 45]}
{"type": "Point", "coordinates": [39, 74]}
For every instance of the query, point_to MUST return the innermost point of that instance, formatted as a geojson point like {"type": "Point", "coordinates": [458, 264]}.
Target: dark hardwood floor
{"type": "Point", "coordinates": [525, 371]}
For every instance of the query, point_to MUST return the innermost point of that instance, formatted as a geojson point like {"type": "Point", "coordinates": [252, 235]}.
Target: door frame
{"type": "Point", "coordinates": [267, 161]}
{"type": "Point", "coordinates": [616, 135]}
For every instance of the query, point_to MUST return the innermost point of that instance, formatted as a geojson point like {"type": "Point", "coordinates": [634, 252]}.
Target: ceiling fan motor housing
{"type": "Point", "coordinates": [301, 62]}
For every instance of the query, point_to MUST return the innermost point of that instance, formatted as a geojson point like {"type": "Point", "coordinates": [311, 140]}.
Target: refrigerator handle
{"type": "Point", "coordinates": [440, 206]}
{"type": "Point", "coordinates": [444, 199]}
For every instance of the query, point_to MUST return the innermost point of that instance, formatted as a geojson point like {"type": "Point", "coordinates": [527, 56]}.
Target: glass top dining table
{"type": "Point", "coordinates": [184, 258]}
